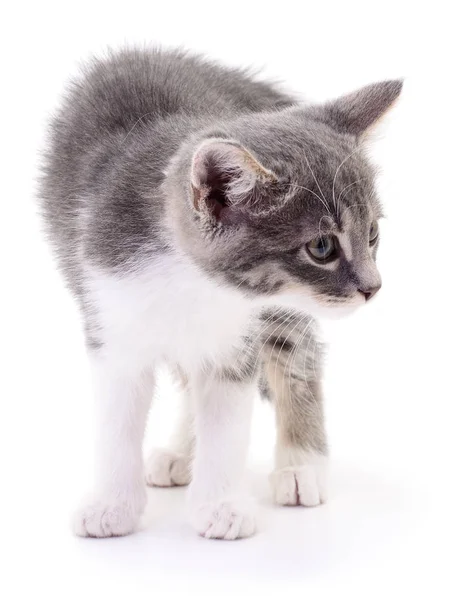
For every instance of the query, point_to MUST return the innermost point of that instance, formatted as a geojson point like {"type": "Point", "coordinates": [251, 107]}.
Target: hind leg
{"type": "Point", "coordinates": [171, 466]}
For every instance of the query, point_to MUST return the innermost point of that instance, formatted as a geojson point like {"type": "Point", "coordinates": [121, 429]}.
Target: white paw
{"type": "Point", "coordinates": [303, 485]}
{"type": "Point", "coordinates": [105, 519]}
{"type": "Point", "coordinates": [165, 468]}
{"type": "Point", "coordinates": [225, 520]}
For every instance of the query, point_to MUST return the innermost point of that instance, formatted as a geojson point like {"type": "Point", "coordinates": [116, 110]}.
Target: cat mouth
{"type": "Point", "coordinates": [343, 301]}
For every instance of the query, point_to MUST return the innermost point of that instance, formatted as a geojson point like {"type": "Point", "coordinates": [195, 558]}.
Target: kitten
{"type": "Point", "coordinates": [203, 219]}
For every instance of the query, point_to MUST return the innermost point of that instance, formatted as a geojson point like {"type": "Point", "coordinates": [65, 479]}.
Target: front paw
{"type": "Point", "coordinates": [224, 519]}
{"type": "Point", "coordinates": [165, 468]}
{"type": "Point", "coordinates": [105, 518]}
{"type": "Point", "coordinates": [303, 485]}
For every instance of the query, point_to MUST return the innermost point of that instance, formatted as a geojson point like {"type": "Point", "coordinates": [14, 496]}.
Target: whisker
{"type": "Point", "coordinates": [352, 206]}
{"type": "Point", "coordinates": [259, 335]}
{"type": "Point", "coordinates": [302, 187]}
{"type": "Point", "coordinates": [319, 224]}
{"type": "Point", "coordinates": [318, 185]}
{"type": "Point", "coordinates": [336, 173]}
{"type": "Point", "coordinates": [274, 345]}
{"type": "Point", "coordinates": [286, 322]}
{"type": "Point", "coordinates": [293, 360]}
{"type": "Point", "coordinates": [280, 351]}
{"type": "Point", "coordinates": [348, 186]}
{"type": "Point", "coordinates": [135, 125]}
{"type": "Point", "coordinates": [305, 366]}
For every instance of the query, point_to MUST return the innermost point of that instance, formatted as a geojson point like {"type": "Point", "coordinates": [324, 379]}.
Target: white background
{"type": "Point", "coordinates": [384, 532]}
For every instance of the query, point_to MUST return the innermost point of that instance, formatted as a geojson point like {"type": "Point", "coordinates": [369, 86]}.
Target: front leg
{"type": "Point", "coordinates": [123, 398]}
{"type": "Point", "coordinates": [218, 504]}
{"type": "Point", "coordinates": [300, 475]}
{"type": "Point", "coordinates": [292, 371]}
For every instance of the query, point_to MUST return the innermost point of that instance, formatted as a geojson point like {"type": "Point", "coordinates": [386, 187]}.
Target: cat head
{"type": "Point", "coordinates": [282, 206]}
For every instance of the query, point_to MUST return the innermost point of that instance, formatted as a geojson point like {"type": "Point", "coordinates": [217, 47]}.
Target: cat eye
{"type": "Point", "coordinates": [373, 233]}
{"type": "Point", "coordinates": [323, 248]}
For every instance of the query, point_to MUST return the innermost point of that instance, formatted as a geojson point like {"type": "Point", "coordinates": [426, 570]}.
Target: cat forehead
{"type": "Point", "coordinates": [332, 202]}
{"type": "Point", "coordinates": [346, 224]}
{"type": "Point", "coordinates": [329, 162]}
{"type": "Point", "coordinates": [333, 163]}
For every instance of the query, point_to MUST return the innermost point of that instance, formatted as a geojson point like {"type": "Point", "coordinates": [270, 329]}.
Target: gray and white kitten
{"type": "Point", "coordinates": [203, 219]}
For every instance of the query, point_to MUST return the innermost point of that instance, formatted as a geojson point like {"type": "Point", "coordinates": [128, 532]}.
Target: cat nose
{"type": "Point", "coordinates": [370, 292]}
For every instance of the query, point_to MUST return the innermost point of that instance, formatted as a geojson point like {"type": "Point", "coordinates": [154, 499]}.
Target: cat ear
{"type": "Point", "coordinates": [357, 112]}
{"type": "Point", "coordinates": [227, 181]}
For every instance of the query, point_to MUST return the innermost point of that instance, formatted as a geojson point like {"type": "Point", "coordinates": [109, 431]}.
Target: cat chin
{"type": "Point", "coordinates": [336, 312]}
{"type": "Point", "coordinates": [309, 305]}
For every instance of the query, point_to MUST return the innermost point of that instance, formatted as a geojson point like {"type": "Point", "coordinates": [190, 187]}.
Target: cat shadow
{"type": "Point", "coordinates": [362, 518]}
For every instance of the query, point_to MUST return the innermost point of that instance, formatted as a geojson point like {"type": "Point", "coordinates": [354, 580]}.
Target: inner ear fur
{"type": "Point", "coordinates": [225, 174]}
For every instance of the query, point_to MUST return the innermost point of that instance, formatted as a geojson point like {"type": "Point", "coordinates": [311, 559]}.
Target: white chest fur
{"type": "Point", "coordinates": [168, 311]}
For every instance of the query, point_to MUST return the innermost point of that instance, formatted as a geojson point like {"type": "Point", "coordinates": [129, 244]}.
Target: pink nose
{"type": "Point", "coordinates": [370, 292]}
